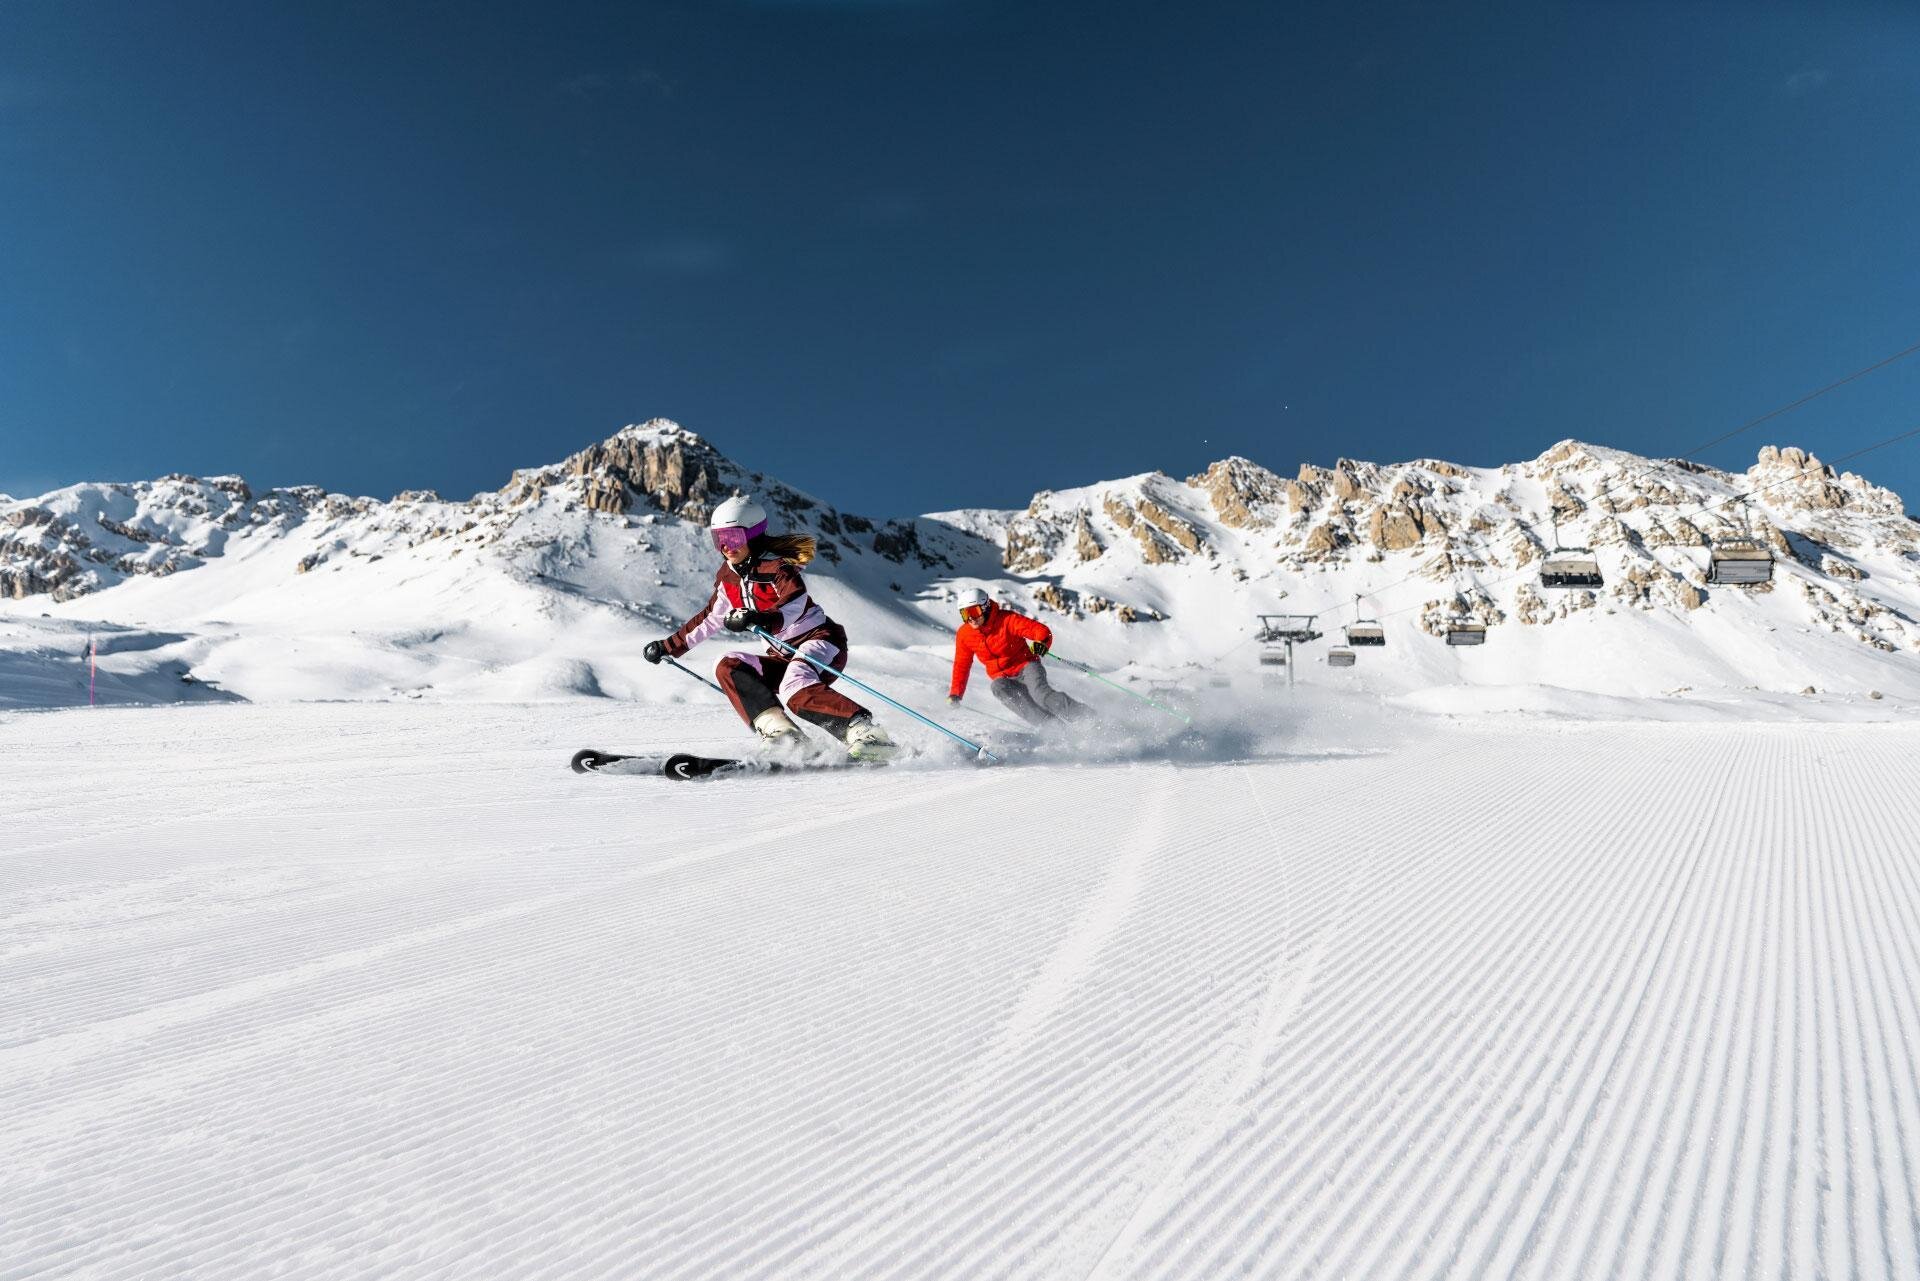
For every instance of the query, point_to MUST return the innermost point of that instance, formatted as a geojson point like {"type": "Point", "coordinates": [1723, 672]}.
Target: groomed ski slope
{"type": "Point", "coordinates": [350, 990]}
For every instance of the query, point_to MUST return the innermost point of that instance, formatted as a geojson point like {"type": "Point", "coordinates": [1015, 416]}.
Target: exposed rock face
{"type": "Point", "coordinates": [1031, 539]}
{"type": "Point", "coordinates": [1396, 527]}
{"type": "Point", "coordinates": [1085, 545]}
{"type": "Point", "coordinates": [129, 532]}
{"type": "Point", "coordinates": [604, 493]}
{"type": "Point", "coordinates": [1681, 532]}
{"type": "Point", "coordinates": [1325, 540]}
{"type": "Point", "coordinates": [1184, 536]}
{"type": "Point", "coordinates": [674, 469]}
{"type": "Point", "coordinates": [1239, 489]}
{"type": "Point", "coordinates": [1065, 600]}
{"type": "Point", "coordinates": [897, 542]}
{"type": "Point", "coordinates": [1836, 567]}
{"type": "Point", "coordinates": [1144, 521]}
{"type": "Point", "coordinates": [1794, 478]}
{"type": "Point", "coordinates": [1648, 585]}
{"type": "Point", "coordinates": [1055, 598]}
{"type": "Point", "coordinates": [1346, 486]}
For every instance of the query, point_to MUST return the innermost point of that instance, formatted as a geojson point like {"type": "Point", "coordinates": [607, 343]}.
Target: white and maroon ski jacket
{"type": "Point", "coordinates": [770, 583]}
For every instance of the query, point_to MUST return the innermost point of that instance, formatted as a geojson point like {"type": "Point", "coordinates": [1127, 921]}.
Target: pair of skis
{"type": "Point", "coordinates": [684, 766]}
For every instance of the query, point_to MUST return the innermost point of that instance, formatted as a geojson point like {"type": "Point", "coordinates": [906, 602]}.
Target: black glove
{"type": "Point", "coordinates": [1039, 648]}
{"type": "Point", "coordinates": [741, 620]}
{"type": "Point", "coordinates": [655, 651]}
{"type": "Point", "coordinates": [953, 700]}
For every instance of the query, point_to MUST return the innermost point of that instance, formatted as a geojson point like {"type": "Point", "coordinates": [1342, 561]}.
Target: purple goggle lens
{"type": "Point", "coordinates": [732, 539]}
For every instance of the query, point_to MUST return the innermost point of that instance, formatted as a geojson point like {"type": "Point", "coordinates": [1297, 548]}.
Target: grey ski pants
{"type": "Point", "coordinates": [1028, 695]}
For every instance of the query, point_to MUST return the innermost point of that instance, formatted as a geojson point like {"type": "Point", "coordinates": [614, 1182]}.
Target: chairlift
{"type": "Point", "coordinates": [1570, 566]}
{"type": "Point", "coordinates": [1339, 658]}
{"type": "Point", "coordinates": [1462, 632]}
{"type": "Point", "coordinates": [1279, 633]}
{"type": "Point", "coordinates": [1365, 631]}
{"type": "Point", "coordinates": [1739, 560]}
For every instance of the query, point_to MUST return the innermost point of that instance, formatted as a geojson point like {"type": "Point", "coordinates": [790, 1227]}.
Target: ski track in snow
{"type": "Point", "coordinates": [282, 993]}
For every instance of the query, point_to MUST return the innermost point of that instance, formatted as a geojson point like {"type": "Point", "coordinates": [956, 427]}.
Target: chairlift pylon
{"type": "Point", "coordinates": [1279, 633]}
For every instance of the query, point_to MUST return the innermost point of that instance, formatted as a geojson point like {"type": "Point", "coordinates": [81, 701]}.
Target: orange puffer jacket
{"type": "Point", "coordinates": [1000, 643]}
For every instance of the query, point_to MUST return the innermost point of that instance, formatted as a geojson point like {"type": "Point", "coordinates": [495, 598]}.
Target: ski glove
{"type": "Point", "coordinates": [655, 651]}
{"type": "Point", "coordinates": [741, 620]}
{"type": "Point", "coordinates": [953, 700]}
{"type": "Point", "coordinates": [1038, 647]}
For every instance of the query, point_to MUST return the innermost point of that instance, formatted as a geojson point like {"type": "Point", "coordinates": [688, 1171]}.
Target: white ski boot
{"type": "Point", "coordinates": [780, 738]}
{"type": "Point", "coordinates": [868, 742]}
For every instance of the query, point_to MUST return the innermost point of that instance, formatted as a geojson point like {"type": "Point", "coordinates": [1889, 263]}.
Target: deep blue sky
{"type": "Point", "coordinates": [914, 255]}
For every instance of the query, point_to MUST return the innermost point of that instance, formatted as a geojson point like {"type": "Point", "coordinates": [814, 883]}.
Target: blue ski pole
{"type": "Point", "coordinates": [785, 648]}
{"type": "Point", "coordinates": [697, 676]}
{"type": "Point", "coordinates": [1084, 670]}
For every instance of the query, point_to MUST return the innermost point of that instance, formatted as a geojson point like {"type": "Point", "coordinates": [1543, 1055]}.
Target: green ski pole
{"type": "Point", "coordinates": [1084, 670]}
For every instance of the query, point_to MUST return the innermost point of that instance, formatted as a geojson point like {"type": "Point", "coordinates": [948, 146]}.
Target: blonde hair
{"type": "Point", "coordinates": [798, 548]}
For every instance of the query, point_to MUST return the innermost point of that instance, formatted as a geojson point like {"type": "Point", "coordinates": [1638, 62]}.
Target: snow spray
{"type": "Point", "coordinates": [784, 648]}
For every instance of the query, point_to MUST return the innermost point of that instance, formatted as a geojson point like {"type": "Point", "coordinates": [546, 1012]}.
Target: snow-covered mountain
{"type": "Point", "coordinates": [549, 586]}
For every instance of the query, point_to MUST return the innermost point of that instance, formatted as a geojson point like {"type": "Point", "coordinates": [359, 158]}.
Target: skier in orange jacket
{"type": "Point", "coordinates": [1010, 646]}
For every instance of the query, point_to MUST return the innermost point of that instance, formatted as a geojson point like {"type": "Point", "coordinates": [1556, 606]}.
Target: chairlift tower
{"type": "Point", "coordinates": [1279, 633]}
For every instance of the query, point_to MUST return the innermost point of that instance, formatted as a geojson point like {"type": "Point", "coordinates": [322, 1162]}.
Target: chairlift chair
{"type": "Point", "coordinates": [1366, 632]}
{"type": "Point", "coordinates": [1571, 567]}
{"type": "Point", "coordinates": [1339, 658]}
{"type": "Point", "coordinates": [1461, 632]}
{"type": "Point", "coordinates": [1739, 562]}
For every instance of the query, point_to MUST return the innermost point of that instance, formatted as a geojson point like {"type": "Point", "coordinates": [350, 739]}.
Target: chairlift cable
{"type": "Point", "coordinates": [1717, 440]}
{"type": "Point", "coordinates": [1743, 497]}
{"type": "Point", "coordinates": [1891, 440]}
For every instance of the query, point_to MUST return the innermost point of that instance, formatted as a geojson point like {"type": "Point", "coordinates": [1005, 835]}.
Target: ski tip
{"type": "Point", "coordinates": [586, 760]}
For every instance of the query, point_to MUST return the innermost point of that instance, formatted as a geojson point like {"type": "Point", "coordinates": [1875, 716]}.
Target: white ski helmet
{"type": "Point", "coordinates": [975, 605]}
{"type": "Point", "coordinates": [739, 512]}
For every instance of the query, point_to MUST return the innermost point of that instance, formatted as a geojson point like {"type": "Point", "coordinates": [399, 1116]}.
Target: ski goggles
{"type": "Point", "coordinates": [732, 538]}
{"type": "Point", "coordinates": [974, 613]}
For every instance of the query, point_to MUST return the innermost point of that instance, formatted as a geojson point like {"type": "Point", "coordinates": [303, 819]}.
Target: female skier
{"type": "Point", "coordinates": [1010, 646]}
{"type": "Point", "coordinates": [758, 584]}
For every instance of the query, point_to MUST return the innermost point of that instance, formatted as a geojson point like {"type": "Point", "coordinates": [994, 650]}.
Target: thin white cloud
{"type": "Point", "coordinates": [683, 256]}
{"type": "Point", "coordinates": [1811, 80]}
